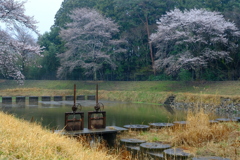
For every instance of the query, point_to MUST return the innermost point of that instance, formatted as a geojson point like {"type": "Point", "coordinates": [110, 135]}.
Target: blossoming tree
{"type": "Point", "coordinates": [192, 40]}
{"type": "Point", "coordinates": [90, 43]}
{"type": "Point", "coordinates": [11, 47]}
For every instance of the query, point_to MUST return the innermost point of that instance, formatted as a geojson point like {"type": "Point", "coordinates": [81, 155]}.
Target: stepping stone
{"type": "Point", "coordinates": [160, 125]}
{"type": "Point", "coordinates": [180, 123]}
{"type": "Point", "coordinates": [137, 127]}
{"type": "Point", "coordinates": [69, 98]}
{"type": "Point", "coordinates": [46, 98]}
{"type": "Point", "coordinates": [33, 100]}
{"type": "Point", "coordinates": [132, 145]}
{"type": "Point", "coordinates": [131, 142]}
{"type": "Point", "coordinates": [226, 120]}
{"type": "Point", "coordinates": [134, 150]}
{"type": "Point", "coordinates": [91, 97]}
{"type": "Point", "coordinates": [20, 99]}
{"type": "Point", "coordinates": [155, 156]}
{"type": "Point", "coordinates": [81, 97]}
{"type": "Point", "coordinates": [7, 100]}
{"type": "Point", "coordinates": [154, 147]}
{"type": "Point", "coordinates": [210, 158]}
{"type": "Point", "coordinates": [176, 154]}
{"type": "Point", "coordinates": [57, 98]}
{"type": "Point", "coordinates": [213, 122]}
{"type": "Point", "coordinates": [237, 118]}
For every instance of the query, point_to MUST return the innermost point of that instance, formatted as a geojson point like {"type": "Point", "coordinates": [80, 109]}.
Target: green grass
{"type": "Point", "coordinates": [219, 87]}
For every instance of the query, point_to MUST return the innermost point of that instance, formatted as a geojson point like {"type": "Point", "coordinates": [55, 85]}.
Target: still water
{"type": "Point", "coordinates": [51, 114]}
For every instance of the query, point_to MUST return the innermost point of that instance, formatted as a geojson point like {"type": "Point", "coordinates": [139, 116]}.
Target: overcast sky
{"type": "Point", "coordinates": [43, 12]}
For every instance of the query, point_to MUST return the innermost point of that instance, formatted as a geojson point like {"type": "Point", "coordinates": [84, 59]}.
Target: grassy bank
{"type": "Point", "coordinates": [140, 91]}
{"type": "Point", "coordinates": [24, 140]}
{"type": "Point", "coordinates": [228, 88]}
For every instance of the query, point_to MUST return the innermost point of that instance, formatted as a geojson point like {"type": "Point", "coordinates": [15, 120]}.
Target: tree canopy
{"type": "Point", "coordinates": [14, 47]}
{"type": "Point", "coordinates": [192, 40]}
{"type": "Point", "coordinates": [90, 42]}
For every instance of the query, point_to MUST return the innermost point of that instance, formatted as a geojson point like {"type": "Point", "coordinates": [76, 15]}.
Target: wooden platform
{"type": "Point", "coordinates": [107, 130]}
{"type": "Point", "coordinates": [109, 133]}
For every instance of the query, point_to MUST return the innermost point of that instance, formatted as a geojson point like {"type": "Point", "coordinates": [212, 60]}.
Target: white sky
{"type": "Point", "coordinates": [43, 12]}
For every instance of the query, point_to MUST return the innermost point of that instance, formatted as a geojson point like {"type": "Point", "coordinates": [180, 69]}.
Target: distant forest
{"type": "Point", "coordinates": [147, 40]}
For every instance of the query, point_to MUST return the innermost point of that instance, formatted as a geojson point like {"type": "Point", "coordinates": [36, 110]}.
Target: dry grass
{"type": "Point", "coordinates": [23, 140]}
{"type": "Point", "coordinates": [199, 137]}
{"type": "Point", "coordinates": [42, 92]}
{"type": "Point", "coordinates": [200, 98]}
{"type": "Point", "coordinates": [134, 96]}
{"type": "Point", "coordinates": [198, 131]}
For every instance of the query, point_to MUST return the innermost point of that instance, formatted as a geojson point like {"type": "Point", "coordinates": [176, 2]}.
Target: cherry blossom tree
{"type": "Point", "coordinates": [193, 40]}
{"type": "Point", "coordinates": [29, 50]}
{"type": "Point", "coordinates": [90, 43]}
{"type": "Point", "coordinates": [11, 47]}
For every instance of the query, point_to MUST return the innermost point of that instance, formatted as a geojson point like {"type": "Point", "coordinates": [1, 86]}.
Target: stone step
{"type": "Point", "coordinates": [154, 147]}
{"type": "Point", "coordinates": [137, 127]}
{"type": "Point", "coordinates": [210, 158]}
{"type": "Point", "coordinates": [180, 123]}
{"type": "Point", "coordinates": [213, 122]}
{"type": "Point", "coordinates": [155, 156]}
{"type": "Point", "coordinates": [238, 119]}
{"type": "Point", "coordinates": [176, 154]}
{"type": "Point", "coordinates": [160, 151]}
{"type": "Point", "coordinates": [160, 125]}
{"type": "Point", "coordinates": [227, 120]}
{"type": "Point", "coordinates": [135, 151]}
{"type": "Point", "coordinates": [131, 142]}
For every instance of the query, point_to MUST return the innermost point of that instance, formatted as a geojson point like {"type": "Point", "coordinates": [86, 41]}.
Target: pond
{"type": "Point", "coordinates": [51, 114]}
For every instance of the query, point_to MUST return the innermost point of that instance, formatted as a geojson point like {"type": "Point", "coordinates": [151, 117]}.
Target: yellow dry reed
{"type": "Point", "coordinates": [203, 138]}
{"type": "Point", "coordinates": [25, 140]}
{"type": "Point", "coordinates": [198, 137]}
{"type": "Point", "coordinates": [198, 131]}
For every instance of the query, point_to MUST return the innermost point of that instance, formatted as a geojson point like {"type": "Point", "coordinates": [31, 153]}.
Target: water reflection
{"type": "Point", "coordinates": [51, 114]}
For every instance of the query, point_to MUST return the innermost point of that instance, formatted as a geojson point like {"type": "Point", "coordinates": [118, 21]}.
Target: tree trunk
{"type": "Point", "coordinates": [197, 73]}
{"type": "Point", "coordinates": [150, 45]}
{"type": "Point", "coordinates": [94, 74]}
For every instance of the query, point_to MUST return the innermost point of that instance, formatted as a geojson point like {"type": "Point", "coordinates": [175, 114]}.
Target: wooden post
{"type": "Point", "coordinates": [74, 94]}
{"type": "Point", "coordinates": [96, 94]}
